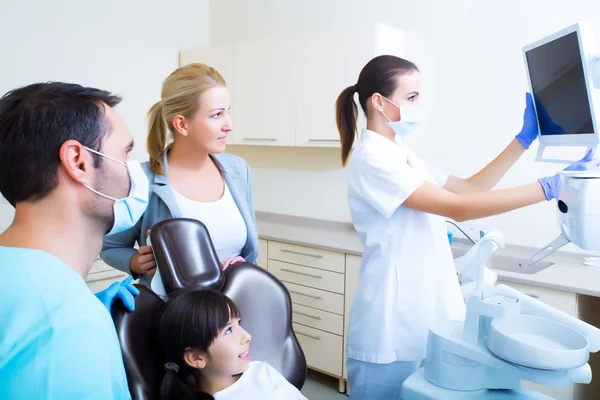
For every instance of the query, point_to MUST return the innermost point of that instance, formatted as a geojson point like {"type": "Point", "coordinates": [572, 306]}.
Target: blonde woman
{"type": "Point", "coordinates": [191, 177]}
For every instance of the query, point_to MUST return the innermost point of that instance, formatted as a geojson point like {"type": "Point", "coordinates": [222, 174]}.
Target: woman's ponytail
{"type": "Point", "coordinates": [157, 138]}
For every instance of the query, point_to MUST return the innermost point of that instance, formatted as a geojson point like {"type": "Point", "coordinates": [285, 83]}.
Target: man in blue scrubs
{"type": "Point", "coordinates": [64, 166]}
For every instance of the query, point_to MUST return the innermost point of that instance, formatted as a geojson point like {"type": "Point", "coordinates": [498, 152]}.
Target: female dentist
{"type": "Point", "coordinates": [398, 205]}
{"type": "Point", "coordinates": [192, 177]}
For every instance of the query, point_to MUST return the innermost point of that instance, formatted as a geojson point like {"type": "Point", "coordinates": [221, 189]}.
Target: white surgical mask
{"type": "Point", "coordinates": [130, 209]}
{"type": "Point", "coordinates": [410, 119]}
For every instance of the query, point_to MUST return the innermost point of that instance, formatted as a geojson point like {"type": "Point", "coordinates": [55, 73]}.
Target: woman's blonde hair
{"type": "Point", "coordinates": [180, 96]}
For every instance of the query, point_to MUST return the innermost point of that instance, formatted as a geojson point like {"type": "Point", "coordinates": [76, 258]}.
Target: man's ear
{"type": "Point", "coordinates": [77, 162]}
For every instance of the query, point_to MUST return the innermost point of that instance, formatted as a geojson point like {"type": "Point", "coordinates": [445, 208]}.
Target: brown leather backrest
{"type": "Point", "coordinates": [140, 353]}
{"type": "Point", "coordinates": [185, 255]}
{"type": "Point", "coordinates": [266, 309]}
{"type": "Point", "coordinates": [186, 259]}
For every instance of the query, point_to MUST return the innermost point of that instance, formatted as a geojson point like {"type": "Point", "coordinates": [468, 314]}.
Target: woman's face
{"type": "Point", "coordinates": [210, 126]}
{"type": "Point", "coordinates": [407, 94]}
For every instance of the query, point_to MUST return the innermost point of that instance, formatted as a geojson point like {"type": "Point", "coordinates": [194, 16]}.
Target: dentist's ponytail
{"type": "Point", "coordinates": [346, 114]}
{"type": "Point", "coordinates": [378, 76]}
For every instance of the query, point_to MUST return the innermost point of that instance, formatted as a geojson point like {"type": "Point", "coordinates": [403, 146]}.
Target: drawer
{"type": "Point", "coordinates": [318, 319]}
{"type": "Point", "coordinates": [316, 298]}
{"type": "Point", "coordinates": [312, 277]}
{"type": "Point", "coordinates": [102, 275]}
{"type": "Point", "coordinates": [99, 285]}
{"type": "Point", "coordinates": [563, 301]}
{"type": "Point", "coordinates": [99, 266]}
{"type": "Point", "coordinates": [323, 350]}
{"type": "Point", "coordinates": [307, 256]}
{"type": "Point", "coordinates": [262, 253]}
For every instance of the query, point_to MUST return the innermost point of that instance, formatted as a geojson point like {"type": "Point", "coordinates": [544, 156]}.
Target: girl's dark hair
{"type": "Point", "coordinates": [191, 319]}
{"type": "Point", "coordinates": [378, 76]}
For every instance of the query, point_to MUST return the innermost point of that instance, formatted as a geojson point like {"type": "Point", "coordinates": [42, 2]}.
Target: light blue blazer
{"type": "Point", "coordinates": [118, 249]}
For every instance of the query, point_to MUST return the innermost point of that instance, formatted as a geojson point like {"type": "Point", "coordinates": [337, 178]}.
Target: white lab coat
{"type": "Point", "coordinates": [407, 277]}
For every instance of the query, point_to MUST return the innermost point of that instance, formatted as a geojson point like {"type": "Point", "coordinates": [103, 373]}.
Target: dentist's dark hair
{"type": "Point", "coordinates": [378, 76]}
{"type": "Point", "coordinates": [190, 320]}
{"type": "Point", "coordinates": [35, 121]}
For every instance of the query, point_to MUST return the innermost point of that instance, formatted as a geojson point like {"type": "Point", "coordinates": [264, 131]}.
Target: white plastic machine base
{"type": "Point", "coordinates": [417, 387]}
{"type": "Point", "coordinates": [506, 338]}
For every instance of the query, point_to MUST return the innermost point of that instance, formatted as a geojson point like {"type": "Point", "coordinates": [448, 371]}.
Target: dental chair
{"type": "Point", "coordinates": [186, 259]}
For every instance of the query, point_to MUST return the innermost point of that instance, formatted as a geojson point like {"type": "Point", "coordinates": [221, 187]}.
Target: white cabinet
{"type": "Point", "coordinates": [352, 273]}
{"type": "Point", "coordinates": [221, 59]}
{"type": "Point", "coordinates": [327, 64]}
{"type": "Point", "coordinates": [264, 73]}
{"type": "Point", "coordinates": [284, 89]}
{"type": "Point", "coordinates": [263, 248]}
{"type": "Point", "coordinates": [101, 276]}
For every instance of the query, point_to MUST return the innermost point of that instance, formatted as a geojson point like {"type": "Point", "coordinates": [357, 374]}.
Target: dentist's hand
{"type": "Point", "coordinates": [552, 185]}
{"type": "Point", "coordinates": [123, 290]}
{"type": "Point", "coordinates": [529, 131]}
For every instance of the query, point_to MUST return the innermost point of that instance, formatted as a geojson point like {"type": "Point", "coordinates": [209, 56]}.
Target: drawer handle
{"type": "Point", "coordinates": [323, 140]}
{"type": "Point", "coordinates": [307, 315]}
{"type": "Point", "coordinates": [301, 273]}
{"type": "Point", "coordinates": [306, 295]}
{"type": "Point", "coordinates": [535, 296]}
{"type": "Point", "coordinates": [309, 336]}
{"type": "Point", "coordinates": [301, 254]}
{"type": "Point", "coordinates": [263, 139]}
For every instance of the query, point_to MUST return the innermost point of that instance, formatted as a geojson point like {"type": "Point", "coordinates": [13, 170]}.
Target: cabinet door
{"type": "Point", "coordinates": [264, 72]}
{"type": "Point", "coordinates": [327, 64]}
{"type": "Point", "coordinates": [221, 59]}
{"type": "Point", "coordinates": [263, 252]}
{"type": "Point", "coordinates": [352, 272]}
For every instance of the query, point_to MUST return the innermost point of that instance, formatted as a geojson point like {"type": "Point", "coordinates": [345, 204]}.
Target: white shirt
{"type": "Point", "coordinates": [407, 278]}
{"type": "Point", "coordinates": [223, 220]}
{"type": "Point", "coordinates": [260, 382]}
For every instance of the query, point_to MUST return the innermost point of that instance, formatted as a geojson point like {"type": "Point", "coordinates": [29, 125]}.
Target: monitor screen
{"type": "Point", "coordinates": [559, 88]}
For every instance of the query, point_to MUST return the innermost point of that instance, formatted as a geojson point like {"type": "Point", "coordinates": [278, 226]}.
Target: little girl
{"type": "Point", "coordinates": [208, 353]}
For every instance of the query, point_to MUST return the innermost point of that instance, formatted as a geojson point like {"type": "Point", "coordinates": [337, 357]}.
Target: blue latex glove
{"type": "Point", "coordinates": [529, 131]}
{"type": "Point", "coordinates": [123, 290]}
{"type": "Point", "coordinates": [553, 184]}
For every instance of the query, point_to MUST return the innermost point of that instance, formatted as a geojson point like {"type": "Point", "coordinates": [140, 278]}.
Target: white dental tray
{"type": "Point", "coordinates": [537, 343]}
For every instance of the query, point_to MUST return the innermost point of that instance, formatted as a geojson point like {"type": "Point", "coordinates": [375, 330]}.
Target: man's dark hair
{"type": "Point", "coordinates": [35, 121]}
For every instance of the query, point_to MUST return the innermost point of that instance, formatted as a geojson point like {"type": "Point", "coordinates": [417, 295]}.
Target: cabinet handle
{"type": "Point", "coordinates": [301, 254]}
{"type": "Point", "coordinates": [307, 315]}
{"type": "Point", "coordinates": [535, 296]}
{"type": "Point", "coordinates": [306, 295]}
{"type": "Point", "coordinates": [323, 140]}
{"type": "Point", "coordinates": [263, 139]}
{"type": "Point", "coordinates": [301, 273]}
{"type": "Point", "coordinates": [309, 336]}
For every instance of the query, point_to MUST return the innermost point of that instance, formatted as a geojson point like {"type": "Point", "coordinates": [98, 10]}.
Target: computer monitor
{"type": "Point", "coordinates": [561, 69]}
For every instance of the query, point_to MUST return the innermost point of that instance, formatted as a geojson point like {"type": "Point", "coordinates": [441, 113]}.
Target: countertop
{"type": "Point", "coordinates": [567, 273]}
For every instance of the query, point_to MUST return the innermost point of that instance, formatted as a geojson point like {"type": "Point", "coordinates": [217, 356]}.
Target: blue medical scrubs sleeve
{"type": "Point", "coordinates": [84, 364]}
{"type": "Point", "coordinates": [385, 182]}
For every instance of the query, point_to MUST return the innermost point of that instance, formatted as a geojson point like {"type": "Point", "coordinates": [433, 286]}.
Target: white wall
{"type": "Point", "coordinates": [128, 47]}
{"type": "Point", "coordinates": [470, 54]}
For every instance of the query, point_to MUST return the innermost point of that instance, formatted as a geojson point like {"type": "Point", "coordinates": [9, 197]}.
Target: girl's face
{"type": "Point", "coordinates": [228, 354]}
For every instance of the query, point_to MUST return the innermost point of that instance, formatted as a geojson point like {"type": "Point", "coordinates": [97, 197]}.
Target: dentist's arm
{"type": "Point", "coordinates": [433, 199]}
{"type": "Point", "coordinates": [486, 179]}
